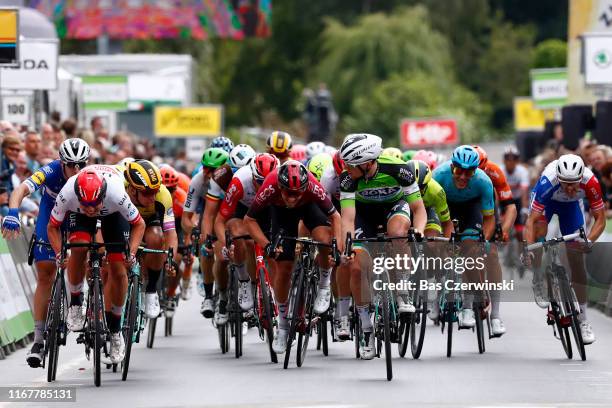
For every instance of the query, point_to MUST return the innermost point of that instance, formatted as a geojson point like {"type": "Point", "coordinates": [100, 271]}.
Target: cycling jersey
{"type": "Point", "coordinates": [241, 190]}
{"type": "Point", "coordinates": [331, 182]}
{"type": "Point", "coordinates": [219, 182]}
{"type": "Point", "coordinates": [160, 212]}
{"type": "Point", "coordinates": [269, 194]}
{"type": "Point", "coordinates": [500, 184]}
{"type": "Point", "coordinates": [435, 197]}
{"type": "Point", "coordinates": [517, 180]}
{"type": "Point", "coordinates": [116, 199]}
{"type": "Point", "coordinates": [479, 187]}
{"type": "Point", "coordinates": [392, 182]}
{"type": "Point", "coordinates": [178, 200]}
{"type": "Point", "coordinates": [49, 178]}
{"type": "Point", "coordinates": [197, 190]}
{"type": "Point", "coordinates": [184, 181]}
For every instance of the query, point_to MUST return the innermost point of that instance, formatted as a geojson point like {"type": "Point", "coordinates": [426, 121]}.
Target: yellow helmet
{"type": "Point", "coordinates": [143, 175]}
{"type": "Point", "coordinates": [393, 152]}
{"type": "Point", "coordinates": [319, 163]}
{"type": "Point", "coordinates": [279, 142]}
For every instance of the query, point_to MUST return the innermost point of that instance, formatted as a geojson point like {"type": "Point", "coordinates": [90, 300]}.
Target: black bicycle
{"type": "Point", "coordinates": [163, 296]}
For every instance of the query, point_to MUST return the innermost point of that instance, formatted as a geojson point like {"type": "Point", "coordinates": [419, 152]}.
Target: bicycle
{"type": "Point", "coordinates": [325, 319]}
{"type": "Point", "coordinates": [163, 297]}
{"type": "Point", "coordinates": [563, 307]}
{"type": "Point", "coordinates": [302, 294]}
{"type": "Point", "coordinates": [233, 307]}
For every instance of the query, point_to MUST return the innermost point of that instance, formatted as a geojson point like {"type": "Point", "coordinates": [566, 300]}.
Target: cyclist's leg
{"type": "Point", "coordinates": [316, 222]}
{"type": "Point", "coordinates": [433, 228]}
{"type": "Point", "coordinates": [152, 266]}
{"type": "Point", "coordinates": [398, 224]}
{"type": "Point", "coordinates": [245, 271]}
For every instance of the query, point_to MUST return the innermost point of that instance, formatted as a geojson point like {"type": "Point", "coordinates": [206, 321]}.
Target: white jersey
{"type": "Point", "coordinates": [197, 190]}
{"type": "Point", "coordinates": [517, 180]}
{"type": "Point", "coordinates": [331, 182]}
{"type": "Point", "coordinates": [116, 199]}
{"type": "Point", "coordinates": [241, 190]}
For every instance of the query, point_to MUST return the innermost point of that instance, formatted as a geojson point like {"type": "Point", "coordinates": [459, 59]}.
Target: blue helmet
{"type": "Point", "coordinates": [222, 142]}
{"type": "Point", "coordinates": [466, 157]}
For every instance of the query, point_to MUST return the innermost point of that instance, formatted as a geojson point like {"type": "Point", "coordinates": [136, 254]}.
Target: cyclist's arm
{"type": "Point", "coordinates": [336, 227]}
{"type": "Point", "coordinates": [509, 216]}
{"type": "Point", "coordinates": [599, 225]}
{"type": "Point", "coordinates": [447, 228]}
{"type": "Point", "coordinates": [210, 212]}
{"type": "Point", "coordinates": [136, 233]}
{"type": "Point", "coordinates": [488, 226]}
{"type": "Point", "coordinates": [220, 229]}
{"type": "Point", "coordinates": [529, 231]}
{"type": "Point", "coordinates": [18, 195]}
{"type": "Point", "coordinates": [419, 214]}
{"type": "Point", "coordinates": [255, 231]}
{"type": "Point", "coordinates": [171, 240]}
{"type": "Point", "coordinates": [55, 237]}
{"type": "Point", "coordinates": [187, 225]}
{"type": "Point", "coordinates": [348, 221]}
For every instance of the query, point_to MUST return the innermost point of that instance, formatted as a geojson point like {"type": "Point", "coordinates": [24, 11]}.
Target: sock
{"type": "Point", "coordinates": [76, 299]}
{"type": "Point", "coordinates": [208, 290]}
{"type": "Point", "coordinates": [344, 303]}
{"type": "Point", "coordinates": [282, 316]}
{"type": "Point", "coordinates": [583, 312]}
{"type": "Point", "coordinates": [242, 272]}
{"type": "Point", "coordinates": [325, 278]}
{"type": "Point", "coordinates": [39, 330]}
{"type": "Point", "coordinates": [364, 317]}
{"type": "Point", "coordinates": [468, 301]}
{"type": "Point", "coordinates": [113, 322]}
{"type": "Point", "coordinates": [152, 282]}
{"type": "Point", "coordinates": [495, 295]}
{"type": "Point", "coordinates": [222, 295]}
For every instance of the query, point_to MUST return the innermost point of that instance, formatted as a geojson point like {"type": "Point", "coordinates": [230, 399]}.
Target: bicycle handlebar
{"type": "Point", "coordinates": [556, 241]}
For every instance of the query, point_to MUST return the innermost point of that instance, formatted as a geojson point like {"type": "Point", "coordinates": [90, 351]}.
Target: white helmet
{"type": "Point", "coordinates": [314, 148]}
{"type": "Point", "coordinates": [570, 168]}
{"type": "Point", "coordinates": [330, 150]}
{"type": "Point", "coordinates": [241, 155]}
{"type": "Point", "coordinates": [359, 148]}
{"type": "Point", "coordinates": [124, 162]}
{"type": "Point", "coordinates": [74, 150]}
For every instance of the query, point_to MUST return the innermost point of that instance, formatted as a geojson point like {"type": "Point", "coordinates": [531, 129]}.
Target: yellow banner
{"type": "Point", "coordinates": [8, 26]}
{"type": "Point", "coordinates": [528, 117]}
{"type": "Point", "coordinates": [172, 121]}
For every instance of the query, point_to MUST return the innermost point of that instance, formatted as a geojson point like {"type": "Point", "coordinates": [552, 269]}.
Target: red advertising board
{"type": "Point", "coordinates": [415, 133]}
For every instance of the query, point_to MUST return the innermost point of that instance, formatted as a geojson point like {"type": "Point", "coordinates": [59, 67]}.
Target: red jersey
{"type": "Point", "coordinates": [178, 201]}
{"type": "Point", "coordinates": [500, 184]}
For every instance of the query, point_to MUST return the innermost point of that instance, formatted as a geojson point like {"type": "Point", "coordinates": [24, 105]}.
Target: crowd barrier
{"type": "Point", "coordinates": [17, 285]}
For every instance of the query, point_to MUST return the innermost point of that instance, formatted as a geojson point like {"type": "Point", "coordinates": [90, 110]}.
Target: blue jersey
{"type": "Point", "coordinates": [49, 178]}
{"type": "Point", "coordinates": [479, 186]}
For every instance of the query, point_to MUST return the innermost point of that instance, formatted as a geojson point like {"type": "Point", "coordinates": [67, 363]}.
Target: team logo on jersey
{"type": "Point", "coordinates": [39, 177]}
{"type": "Point", "coordinates": [379, 193]}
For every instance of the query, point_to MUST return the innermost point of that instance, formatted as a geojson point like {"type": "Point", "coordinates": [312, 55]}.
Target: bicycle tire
{"type": "Point", "coordinates": [418, 319]}
{"type": "Point", "coordinates": [304, 335]}
{"type": "Point", "coordinates": [386, 301]}
{"type": "Point", "coordinates": [267, 318]}
{"type": "Point", "coordinates": [167, 326]}
{"type": "Point", "coordinates": [576, 331]}
{"type": "Point", "coordinates": [129, 328]}
{"type": "Point", "coordinates": [237, 322]}
{"type": "Point", "coordinates": [403, 334]}
{"type": "Point", "coordinates": [324, 336]}
{"type": "Point", "coordinates": [297, 287]}
{"type": "Point", "coordinates": [319, 338]}
{"type": "Point", "coordinates": [98, 341]}
{"type": "Point", "coordinates": [562, 331]}
{"type": "Point", "coordinates": [479, 326]}
{"type": "Point", "coordinates": [53, 331]}
{"type": "Point", "coordinates": [449, 333]}
{"type": "Point", "coordinates": [151, 333]}
{"type": "Point", "coordinates": [356, 332]}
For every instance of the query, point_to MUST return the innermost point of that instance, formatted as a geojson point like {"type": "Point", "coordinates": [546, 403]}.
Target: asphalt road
{"type": "Point", "coordinates": [526, 367]}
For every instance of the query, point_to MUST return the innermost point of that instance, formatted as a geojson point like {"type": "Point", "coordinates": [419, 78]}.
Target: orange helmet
{"type": "Point", "coordinates": [184, 181]}
{"type": "Point", "coordinates": [169, 176]}
{"type": "Point", "coordinates": [482, 155]}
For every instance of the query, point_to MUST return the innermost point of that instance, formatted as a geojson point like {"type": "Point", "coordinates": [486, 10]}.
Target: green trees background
{"type": "Point", "coordinates": [382, 60]}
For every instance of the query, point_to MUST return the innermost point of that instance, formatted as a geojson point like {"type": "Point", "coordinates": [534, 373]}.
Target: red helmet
{"type": "Point", "coordinates": [298, 152]}
{"type": "Point", "coordinates": [90, 188]}
{"type": "Point", "coordinates": [429, 157]}
{"type": "Point", "coordinates": [262, 165]}
{"type": "Point", "coordinates": [482, 155]}
{"type": "Point", "coordinates": [293, 176]}
{"type": "Point", "coordinates": [338, 162]}
{"type": "Point", "coordinates": [169, 176]}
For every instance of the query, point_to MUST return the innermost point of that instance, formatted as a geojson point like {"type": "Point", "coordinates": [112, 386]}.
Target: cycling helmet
{"type": "Point", "coordinates": [169, 176]}
{"type": "Point", "coordinates": [293, 176]}
{"type": "Point", "coordinates": [214, 157]}
{"type": "Point", "coordinates": [279, 142]}
{"type": "Point", "coordinates": [262, 165]}
{"type": "Point", "coordinates": [392, 152]}
{"type": "Point", "coordinates": [482, 155]}
{"type": "Point", "coordinates": [421, 171]}
{"type": "Point", "coordinates": [90, 188]}
{"type": "Point", "coordinates": [359, 148]}
{"type": "Point", "coordinates": [428, 157]}
{"type": "Point", "coordinates": [570, 168]}
{"type": "Point", "coordinates": [183, 181]}
{"type": "Point", "coordinates": [511, 152]}
{"type": "Point", "coordinates": [123, 163]}
{"type": "Point", "coordinates": [314, 148]}
{"type": "Point", "coordinates": [74, 150]}
{"type": "Point", "coordinates": [298, 152]}
{"type": "Point", "coordinates": [408, 155]}
{"type": "Point", "coordinates": [241, 155]}
{"type": "Point", "coordinates": [318, 164]}
{"type": "Point", "coordinates": [465, 157]}
{"type": "Point", "coordinates": [338, 163]}
{"type": "Point", "coordinates": [330, 150]}
{"type": "Point", "coordinates": [143, 175]}
{"type": "Point", "coordinates": [222, 142]}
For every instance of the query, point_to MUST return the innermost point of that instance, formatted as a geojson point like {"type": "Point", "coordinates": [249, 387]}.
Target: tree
{"type": "Point", "coordinates": [550, 54]}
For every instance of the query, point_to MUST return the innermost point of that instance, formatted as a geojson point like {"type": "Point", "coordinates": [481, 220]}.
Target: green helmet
{"type": "Point", "coordinates": [408, 154]}
{"type": "Point", "coordinates": [319, 163]}
{"type": "Point", "coordinates": [214, 157]}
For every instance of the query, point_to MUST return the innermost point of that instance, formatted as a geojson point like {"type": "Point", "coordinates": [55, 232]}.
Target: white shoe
{"type": "Point", "coordinates": [539, 294]}
{"type": "Point", "coordinates": [466, 318]}
{"type": "Point", "coordinates": [200, 284]}
{"type": "Point", "coordinates": [76, 319]}
{"type": "Point", "coordinates": [171, 307]}
{"type": "Point", "coordinates": [344, 329]}
{"type": "Point", "coordinates": [245, 295]}
{"type": "Point", "coordinates": [366, 346]}
{"type": "Point", "coordinates": [588, 336]}
{"type": "Point", "coordinates": [497, 327]}
{"type": "Point", "coordinates": [221, 315]}
{"type": "Point", "coordinates": [186, 289]}
{"type": "Point", "coordinates": [208, 308]}
{"type": "Point", "coordinates": [152, 305]}
{"type": "Point", "coordinates": [403, 306]}
{"type": "Point", "coordinates": [117, 348]}
{"type": "Point", "coordinates": [279, 345]}
{"type": "Point", "coordinates": [322, 301]}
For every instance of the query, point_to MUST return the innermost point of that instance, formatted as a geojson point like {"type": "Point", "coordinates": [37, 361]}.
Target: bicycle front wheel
{"type": "Point", "coordinates": [576, 331]}
{"type": "Point", "coordinates": [99, 342]}
{"type": "Point", "coordinates": [306, 327]}
{"type": "Point", "coordinates": [386, 299]}
{"type": "Point", "coordinates": [53, 334]}
{"type": "Point", "coordinates": [267, 319]}
{"type": "Point", "coordinates": [129, 327]}
{"type": "Point", "coordinates": [293, 311]}
{"type": "Point", "coordinates": [418, 322]}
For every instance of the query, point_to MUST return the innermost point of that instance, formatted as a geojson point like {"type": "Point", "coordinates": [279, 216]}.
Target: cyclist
{"type": "Point", "coordinates": [240, 156]}
{"type": "Point", "coordinates": [238, 198]}
{"type": "Point", "coordinates": [470, 198]}
{"type": "Point", "coordinates": [211, 160]}
{"type": "Point", "coordinates": [375, 190]}
{"type": "Point", "coordinates": [298, 152]}
{"type": "Point", "coordinates": [293, 194]}
{"type": "Point", "coordinates": [393, 152]}
{"type": "Point", "coordinates": [74, 154]}
{"type": "Point", "coordinates": [97, 193]}
{"type": "Point", "coordinates": [560, 189]}
{"type": "Point", "coordinates": [318, 164]}
{"type": "Point", "coordinates": [427, 156]}
{"type": "Point", "coordinates": [222, 142]}
{"type": "Point", "coordinates": [314, 148]}
{"type": "Point", "coordinates": [144, 186]}
{"type": "Point", "coordinates": [518, 180]}
{"type": "Point", "coordinates": [280, 145]}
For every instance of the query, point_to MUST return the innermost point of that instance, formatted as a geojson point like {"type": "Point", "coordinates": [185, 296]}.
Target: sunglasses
{"type": "Point", "coordinates": [73, 165]}
{"type": "Point", "coordinates": [90, 203]}
{"type": "Point", "coordinates": [148, 193]}
{"type": "Point", "coordinates": [13, 149]}
{"type": "Point", "coordinates": [458, 171]}
{"type": "Point", "coordinates": [290, 193]}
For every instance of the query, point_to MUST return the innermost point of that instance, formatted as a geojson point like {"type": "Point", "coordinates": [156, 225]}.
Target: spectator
{"type": "Point", "coordinates": [58, 136]}
{"type": "Point", "coordinates": [33, 144]}
{"type": "Point", "coordinates": [48, 153]}
{"type": "Point", "coordinates": [88, 136]}
{"type": "Point", "coordinates": [11, 147]}
{"type": "Point", "coordinates": [69, 127]}
{"type": "Point", "coordinates": [30, 204]}
{"type": "Point", "coordinates": [5, 125]}
{"type": "Point", "coordinates": [325, 115]}
{"type": "Point", "coordinates": [47, 133]}
{"type": "Point", "coordinates": [96, 124]}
